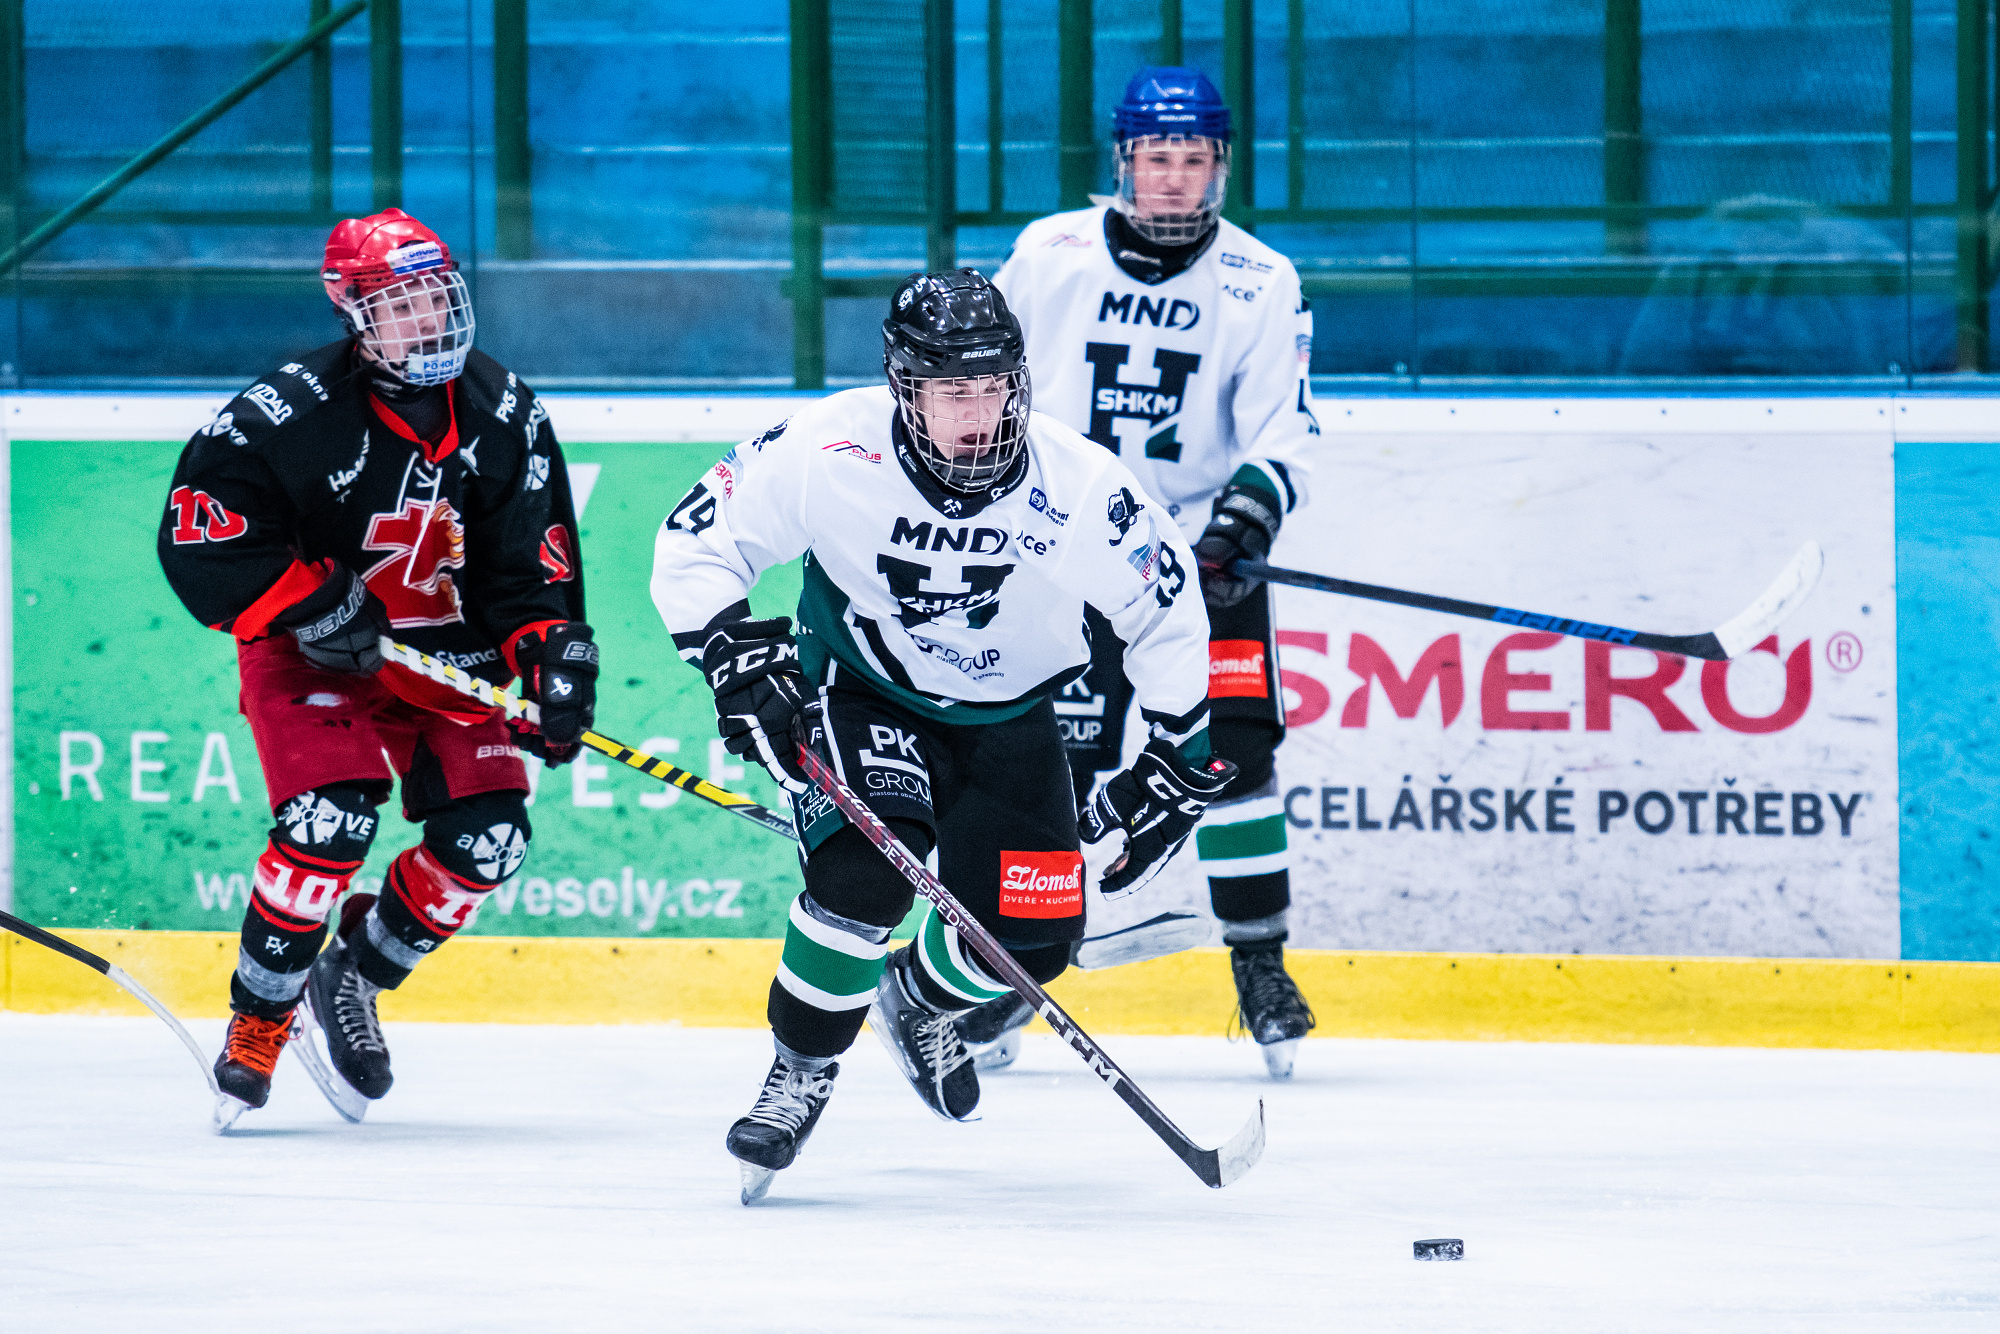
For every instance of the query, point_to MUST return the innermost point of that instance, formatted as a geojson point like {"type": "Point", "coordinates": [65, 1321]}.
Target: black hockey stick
{"type": "Point", "coordinates": [650, 765]}
{"type": "Point", "coordinates": [29, 931]}
{"type": "Point", "coordinates": [1216, 1167]}
{"type": "Point", "coordinates": [1738, 635]}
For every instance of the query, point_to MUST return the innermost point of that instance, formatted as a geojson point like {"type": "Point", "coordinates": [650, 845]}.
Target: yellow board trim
{"type": "Point", "coordinates": [1363, 994]}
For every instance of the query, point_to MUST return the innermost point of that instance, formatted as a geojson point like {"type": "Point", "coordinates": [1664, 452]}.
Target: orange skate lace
{"type": "Point", "coordinates": [256, 1042]}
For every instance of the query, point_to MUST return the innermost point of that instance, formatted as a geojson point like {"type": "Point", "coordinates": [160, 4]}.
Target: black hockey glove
{"type": "Point", "coordinates": [559, 672]}
{"type": "Point", "coordinates": [339, 625]}
{"type": "Point", "coordinates": [753, 667]}
{"type": "Point", "coordinates": [1243, 524]}
{"type": "Point", "coordinates": [1157, 803]}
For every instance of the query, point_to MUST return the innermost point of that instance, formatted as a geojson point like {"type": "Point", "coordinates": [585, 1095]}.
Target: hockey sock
{"type": "Point", "coordinates": [946, 976]}
{"type": "Point", "coordinates": [284, 927]}
{"type": "Point", "coordinates": [422, 906]}
{"type": "Point", "coordinates": [826, 978]}
{"type": "Point", "coordinates": [1242, 847]}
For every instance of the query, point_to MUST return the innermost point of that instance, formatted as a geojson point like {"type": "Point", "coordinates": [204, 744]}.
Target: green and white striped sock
{"type": "Point", "coordinates": [944, 957]}
{"type": "Point", "coordinates": [1244, 838]}
{"type": "Point", "coordinates": [831, 962]}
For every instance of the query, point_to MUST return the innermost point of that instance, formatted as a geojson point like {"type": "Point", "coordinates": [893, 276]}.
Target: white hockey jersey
{"type": "Point", "coordinates": [965, 608]}
{"type": "Point", "coordinates": [1185, 380]}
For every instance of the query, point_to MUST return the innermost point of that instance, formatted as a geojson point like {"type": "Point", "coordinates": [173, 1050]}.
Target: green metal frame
{"type": "Point", "coordinates": [513, 159]}
{"type": "Point", "coordinates": [1624, 213]}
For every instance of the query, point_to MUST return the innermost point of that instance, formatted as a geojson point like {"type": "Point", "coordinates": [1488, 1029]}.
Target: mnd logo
{"type": "Point", "coordinates": [1041, 884]}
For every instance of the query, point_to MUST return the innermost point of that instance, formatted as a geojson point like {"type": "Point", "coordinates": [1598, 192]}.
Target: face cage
{"type": "Point", "coordinates": [999, 409]}
{"type": "Point", "coordinates": [1172, 228]}
{"type": "Point", "coordinates": [436, 356]}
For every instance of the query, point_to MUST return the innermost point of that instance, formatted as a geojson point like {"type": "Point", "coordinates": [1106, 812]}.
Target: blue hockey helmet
{"type": "Point", "coordinates": [1165, 100]}
{"type": "Point", "coordinates": [1173, 133]}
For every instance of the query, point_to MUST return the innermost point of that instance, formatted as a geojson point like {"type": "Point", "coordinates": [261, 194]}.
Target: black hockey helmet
{"type": "Point", "coordinates": [958, 365]}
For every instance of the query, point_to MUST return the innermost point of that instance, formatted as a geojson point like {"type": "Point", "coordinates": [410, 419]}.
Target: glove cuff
{"type": "Point", "coordinates": [1248, 507]}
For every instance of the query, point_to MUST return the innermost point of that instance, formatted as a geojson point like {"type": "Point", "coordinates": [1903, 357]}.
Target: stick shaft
{"type": "Point", "coordinates": [1003, 964]}
{"type": "Point", "coordinates": [651, 765]}
{"type": "Point", "coordinates": [1705, 646]}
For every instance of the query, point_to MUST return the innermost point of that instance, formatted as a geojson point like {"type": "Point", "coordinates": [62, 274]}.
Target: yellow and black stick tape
{"type": "Point", "coordinates": [651, 765]}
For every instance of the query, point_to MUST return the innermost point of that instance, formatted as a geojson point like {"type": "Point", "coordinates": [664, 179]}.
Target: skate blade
{"type": "Point", "coordinates": [1278, 1057]}
{"type": "Point", "coordinates": [998, 1054]}
{"type": "Point", "coordinates": [228, 1108]}
{"type": "Point", "coordinates": [345, 1098]}
{"type": "Point", "coordinates": [756, 1181]}
{"type": "Point", "coordinates": [1169, 933]}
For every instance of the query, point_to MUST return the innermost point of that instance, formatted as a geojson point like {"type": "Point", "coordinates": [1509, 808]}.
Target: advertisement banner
{"type": "Point", "coordinates": [1454, 784]}
{"type": "Point", "coordinates": [138, 801]}
{"type": "Point", "coordinates": [1449, 784]}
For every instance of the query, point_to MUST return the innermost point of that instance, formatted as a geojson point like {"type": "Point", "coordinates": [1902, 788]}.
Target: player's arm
{"type": "Point", "coordinates": [745, 515]}
{"type": "Point", "coordinates": [1142, 580]}
{"type": "Point", "coordinates": [1276, 433]}
{"type": "Point", "coordinates": [523, 583]}
{"type": "Point", "coordinates": [225, 545]}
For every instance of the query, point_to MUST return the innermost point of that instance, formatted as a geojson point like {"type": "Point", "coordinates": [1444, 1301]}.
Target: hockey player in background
{"type": "Point", "coordinates": [394, 482]}
{"type": "Point", "coordinates": [952, 541]}
{"type": "Point", "coordinates": [1180, 343]}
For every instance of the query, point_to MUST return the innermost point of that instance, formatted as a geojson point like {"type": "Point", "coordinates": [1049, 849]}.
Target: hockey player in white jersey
{"type": "Point", "coordinates": [952, 541]}
{"type": "Point", "coordinates": [1180, 343]}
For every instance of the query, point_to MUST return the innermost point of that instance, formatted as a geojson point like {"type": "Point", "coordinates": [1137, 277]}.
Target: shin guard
{"type": "Point", "coordinates": [1242, 846]}
{"type": "Point", "coordinates": [284, 927]}
{"type": "Point", "coordinates": [422, 906]}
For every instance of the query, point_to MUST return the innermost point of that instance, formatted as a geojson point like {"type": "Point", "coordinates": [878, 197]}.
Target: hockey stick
{"type": "Point", "coordinates": [650, 765]}
{"type": "Point", "coordinates": [1216, 1167]}
{"type": "Point", "coordinates": [116, 974]}
{"type": "Point", "coordinates": [1735, 636]}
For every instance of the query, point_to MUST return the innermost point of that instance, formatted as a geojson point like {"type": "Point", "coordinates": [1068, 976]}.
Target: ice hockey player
{"type": "Point", "coordinates": [1179, 342]}
{"type": "Point", "coordinates": [952, 540]}
{"type": "Point", "coordinates": [394, 482]}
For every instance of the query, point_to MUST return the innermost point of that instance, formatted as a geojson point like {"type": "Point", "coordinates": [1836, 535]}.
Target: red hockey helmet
{"type": "Point", "coordinates": [393, 280]}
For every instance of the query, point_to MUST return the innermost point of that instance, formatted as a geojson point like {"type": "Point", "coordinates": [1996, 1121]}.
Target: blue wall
{"type": "Point", "coordinates": [1948, 692]}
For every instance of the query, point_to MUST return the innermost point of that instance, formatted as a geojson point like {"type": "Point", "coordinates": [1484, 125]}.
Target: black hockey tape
{"type": "Point", "coordinates": [1441, 1248]}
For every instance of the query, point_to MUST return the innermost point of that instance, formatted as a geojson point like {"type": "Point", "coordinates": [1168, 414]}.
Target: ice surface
{"type": "Point", "coordinates": [574, 1179]}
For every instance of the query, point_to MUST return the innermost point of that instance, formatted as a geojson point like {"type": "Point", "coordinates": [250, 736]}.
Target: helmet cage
{"type": "Point", "coordinates": [418, 330]}
{"type": "Point", "coordinates": [1179, 227]}
{"type": "Point", "coordinates": [975, 428]}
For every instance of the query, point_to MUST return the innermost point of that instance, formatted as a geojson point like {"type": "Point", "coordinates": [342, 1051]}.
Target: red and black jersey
{"type": "Point", "coordinates": [469, 540]}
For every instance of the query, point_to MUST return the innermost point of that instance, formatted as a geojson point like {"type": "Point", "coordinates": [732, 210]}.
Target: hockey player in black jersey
{"type": "Point", "coordinates": [394, 482]}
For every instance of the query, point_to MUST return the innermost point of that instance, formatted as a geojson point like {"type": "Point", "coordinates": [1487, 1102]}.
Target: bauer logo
{"type": "Point", "coordinates": [1236, 669]}
{"type": "Point", "coordinates": [1041, 884]}
{"type": "Point", "coordinates": [416, 257]}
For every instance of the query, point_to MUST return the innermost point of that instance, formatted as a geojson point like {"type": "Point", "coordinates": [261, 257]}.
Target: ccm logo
{"type": "Point", "coordinates": [1041, 884]}
{"type": "Point", "coordinates": [1236, 668]}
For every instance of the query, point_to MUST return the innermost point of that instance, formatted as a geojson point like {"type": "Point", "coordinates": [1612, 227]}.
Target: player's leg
{"type": "Point", "coordinates": [837, 936]}
{"type": "Point", "coordinates": [1242, 839]}
{"type": "Point", "coordinates": [322, 763]}
{"type": "Point", "coordinates": [1008, 850]}
{"type": "Point", "coordinates": [469, 789]}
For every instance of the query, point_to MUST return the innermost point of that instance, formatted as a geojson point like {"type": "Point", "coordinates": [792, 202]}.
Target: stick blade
{"type": "Point", "coordinates": [1219, 1167]}
{"type": "Point", "coordinates": [1787, 594]}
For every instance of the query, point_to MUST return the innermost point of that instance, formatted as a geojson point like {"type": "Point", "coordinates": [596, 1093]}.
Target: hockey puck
{"type": "Point", "coordinates": [1441, 1248]}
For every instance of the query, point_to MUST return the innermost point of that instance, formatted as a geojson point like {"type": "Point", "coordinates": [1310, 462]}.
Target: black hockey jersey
{"type": "Point", "coordinates": [468, 541]}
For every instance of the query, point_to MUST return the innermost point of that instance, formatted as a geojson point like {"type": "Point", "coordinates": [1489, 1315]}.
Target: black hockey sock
{"type": "Point", "coordinates": [809, 1030]}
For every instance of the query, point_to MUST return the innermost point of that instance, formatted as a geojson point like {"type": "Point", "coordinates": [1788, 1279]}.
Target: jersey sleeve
{"type": "Point", "coordinates": [226, 538]}
{"type": "Point", "coordinates": [744, 516]}
{"type": "Point", "coordinates": [1275, 428]}
{"type": "Point", "coordinates": [524, 553]}
{"type": "Point", "coordinates": [1130, 561]}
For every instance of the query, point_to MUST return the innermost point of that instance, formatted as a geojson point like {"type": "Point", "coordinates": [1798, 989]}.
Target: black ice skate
{"type": "Point", "coordinates": [770, 1138]}
{"type": "Point", "coordinates": [992, 1033]}
{"type": "Point", "coordinates": [1269, 1005]}
{"type": "Point", "coordinates": [923, 1042]}
{"type": "Point", "coordinates": [339, 1008]}
{"type": "Point", "coordinates": [250, 1051]}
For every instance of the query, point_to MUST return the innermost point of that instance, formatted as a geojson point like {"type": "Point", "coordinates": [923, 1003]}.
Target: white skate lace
{"type": "Point", "coordinates": [940, 1046]}
{"type": "Point", "coordinates": [788, 1097]}
{"type": "Point", "coordinates": [354, 1010]}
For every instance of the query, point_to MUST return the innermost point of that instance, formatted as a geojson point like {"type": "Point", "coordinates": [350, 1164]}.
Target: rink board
{"type": "Point", "coordinates": [1587, 807]}
{"type": "Point", "coordinates": [1848, 1003]}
